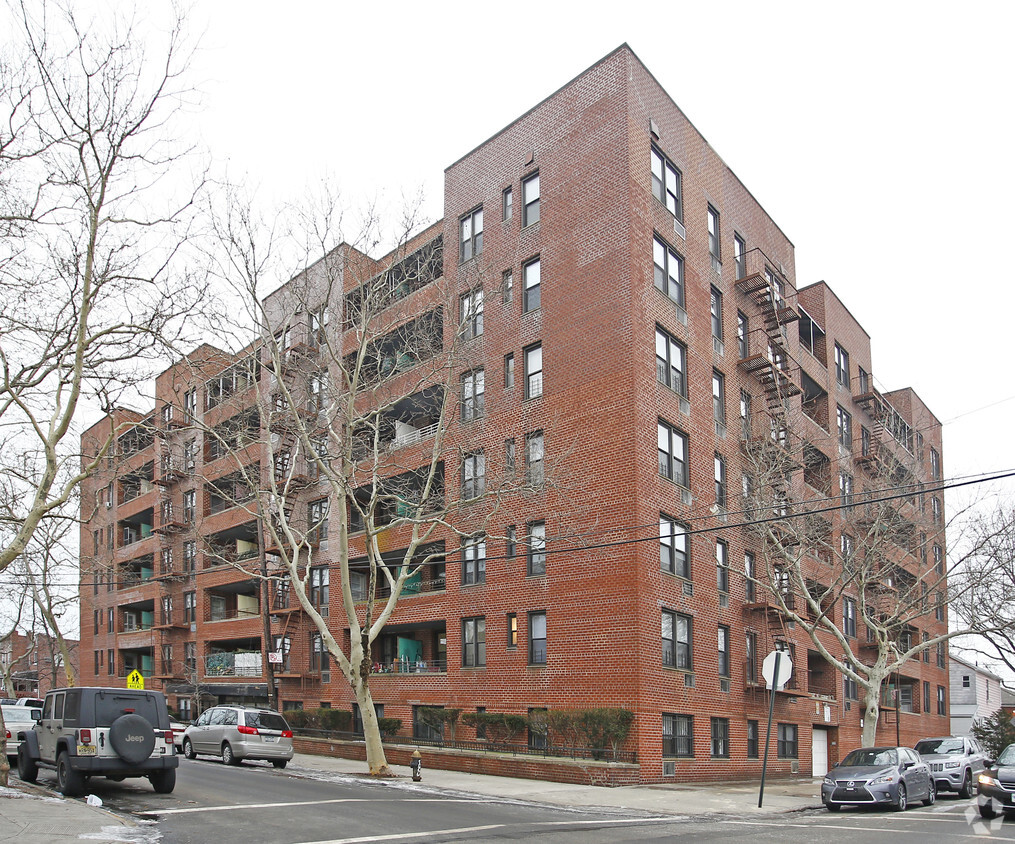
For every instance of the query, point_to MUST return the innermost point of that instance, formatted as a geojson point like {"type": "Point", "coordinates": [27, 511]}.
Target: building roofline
{"type": "Point", "coordinates": [977, 668]}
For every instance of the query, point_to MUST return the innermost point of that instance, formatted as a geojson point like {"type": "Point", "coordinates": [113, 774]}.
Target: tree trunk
{"type": "Point", "coordinates": [377, 763]}
{"type": "Point", "coordinates": [872, 712]}
{"type": "Point", "coordinates": [4, 767]}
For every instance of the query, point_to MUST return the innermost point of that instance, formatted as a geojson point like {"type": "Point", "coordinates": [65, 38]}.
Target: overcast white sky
{"type": "Point", "coordinates": [877, 135]}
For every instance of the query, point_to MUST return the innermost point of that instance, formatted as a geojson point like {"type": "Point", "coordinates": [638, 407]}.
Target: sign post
{"type": "Point", "coordinates": [776, 669]}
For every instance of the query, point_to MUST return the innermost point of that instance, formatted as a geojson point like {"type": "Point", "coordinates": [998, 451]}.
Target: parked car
{"type": "Point", "coordinates": [30, 702]}
{"type": "Point", "coordinates": [91, 731]}
{"type": "Point", "coordinates": [890, 776]}
{"type": "Point", "coordinates": [995, 785]}
{"type": "Point", "coordinates": [955, 762]}
{"type": "Point", "coordinates": [236, 733]}
{"type": "Point", "coordinates": [178, 731]}
{"type": "Point", "coordinates": [17, 719]}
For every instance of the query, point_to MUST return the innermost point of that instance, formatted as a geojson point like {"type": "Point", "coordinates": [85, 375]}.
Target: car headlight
{"type": "Point", "coordinates": [987, 779]}
{"type": "Point", "coordinates": [829, 781]}
{"type": "Point", "coordinates": [953, 764]}
{"type": "Point", "coordinates": [888, 776]}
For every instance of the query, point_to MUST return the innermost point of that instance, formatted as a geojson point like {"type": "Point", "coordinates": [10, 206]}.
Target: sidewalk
{"type": "Point", "coordinates": [30, 815]}
{"type": "Point", "coordinates": [781, 795]}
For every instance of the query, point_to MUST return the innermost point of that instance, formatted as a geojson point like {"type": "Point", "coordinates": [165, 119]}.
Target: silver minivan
{"type": "Point", "coordinates": [237, 732]}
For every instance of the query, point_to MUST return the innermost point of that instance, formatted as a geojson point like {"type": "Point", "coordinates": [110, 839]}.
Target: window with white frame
{"type": "Point", "coordinates": [189, 506]}
{"type": "Point", "coordinates": [750, 580]}
{"type": "Point", "coordinates": [673, 547]}
{"type": "Point", "coordinates": [534, 371]}
{"type": "Point", "coordinates": [672, 453]}
{"type": "Point", "coordinates": [666, 183]}
{"type": "Point", "coordinates": [745, 415]}
{"type": "Point", "coordinates": [668, 271]}
{"type": "Point", "coordinates": [671, 362]}
{"type": "Point", "coordinates": [532, 286]}
{"type": "Point", "coordinates": [471, 234]}
{"type": "Point", "coordinates": [530, 200]}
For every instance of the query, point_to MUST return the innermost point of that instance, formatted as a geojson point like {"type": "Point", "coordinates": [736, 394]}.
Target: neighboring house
{"type": "Point", "coordinates": [35, 662]}
{"type": "Point", "coordinates": [976, 694]}
{"type": "Point", "coordinates": [633, 286]}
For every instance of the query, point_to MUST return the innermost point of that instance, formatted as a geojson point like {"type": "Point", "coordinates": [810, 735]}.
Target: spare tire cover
{"type": "Point", "coordinates": [133, 738]}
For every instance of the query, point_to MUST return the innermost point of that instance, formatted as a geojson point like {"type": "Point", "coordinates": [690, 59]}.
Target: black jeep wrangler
{"type": "Point", "coordinates": [99, 732]}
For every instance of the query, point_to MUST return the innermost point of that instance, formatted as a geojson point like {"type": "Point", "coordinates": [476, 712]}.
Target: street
{"type": "Point", "coordinates": [255, 803]}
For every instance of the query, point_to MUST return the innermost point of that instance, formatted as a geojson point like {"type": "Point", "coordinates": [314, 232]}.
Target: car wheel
{"type": "Point", "coordinates": [902, 802]}
{"type": "Point", "coordinates": [931, 794]}
{"type": "Point", "coordinates": [188, 749]}
{"type": "Point", "coordinates": [228, 757]}
{"type": "Point", "coordinates": [986, 811]}
{"type": "Point", "coordinates": [833, 807]}
{"type": "Point", "coordinates": [163, 781]}
{"type": "Point", "coordinates": [69, 783]}
{"type": "Point", "coordinates": [279, 763]}
{"type": "Point", "coordinates": [967, 787]}
{"type": "Point", "coordinates": [27, 769]}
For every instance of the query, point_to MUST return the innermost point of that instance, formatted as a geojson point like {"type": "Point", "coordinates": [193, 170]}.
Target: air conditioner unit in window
{"type": "Point", "coordinates": [718, 347]}
{"type": "Point", "coordinates": [724, 685]}
{"type": "Point", "coordinates": [678, 227]}
{"type": "Point", "coordinates": [325, 676]}
{"type": "Point", "coordinates": [681, 315]}
{"type": "Point", "coordinates": [724, 599]}
{"type": "Point", "coordinates": [669, 769]}
{"type": "Point", "coordinates": [689, 681]}
{"type": "Point", "coordinates": [685, 497]}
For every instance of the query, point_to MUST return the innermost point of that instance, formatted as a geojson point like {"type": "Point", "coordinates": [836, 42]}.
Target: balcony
{"type": "Point", "coordinates": [233, 664]}
{"type": "Point", "coordinates": [405, 666]}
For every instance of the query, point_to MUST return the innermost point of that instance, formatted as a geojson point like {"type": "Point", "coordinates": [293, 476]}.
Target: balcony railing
{"type": "Point", "coordinates": [412, 437]}
{"type": "Point", "coordinates": [238, 664]}
{"type": "Point", "coordinates": [408, 666]}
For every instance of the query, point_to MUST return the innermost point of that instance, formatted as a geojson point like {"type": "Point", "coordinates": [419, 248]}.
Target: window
{"type": "Point", "coordinates": [841, 366]}
{"type": "Point", "coordinates": [721, 738]}
{"type": "Point", "coordinates": [111, 616]}
{"type": "Point", "coordinates": [846, 547]}
{"type": "Point", "coordinates": [713, 237]}
{"type": "Point", "coordinates": [965, 681]}
{"type": "Point", "coordinates": [751, 656]}
{"type": "Point", "coordinates": [849, 617]}
{"type": "Point", "coordinates": [318, 326]}
{"type": "Point", "coordinates": [850, 690]}
{"type": "Point", "coordinates": [935, 464]}
{"type": "Point", "coordinates": [752, 740]}
{"type": "Point", "coordinates": [666, 183]}
{"type": "Point", "coordinates": [317, 521]}
{"type": "Point", "coordinates": [530, 200]}
{"type": "Point", "coordinates": [537, 548]}
{"type": "Point", "coordinates": [722, 566]}
{"type": "Point", "coordinates": [189, 455]}
{"type": "Point", "coordinates": [512, 630]}
{"type": "Point", "coordinates": [716, 309]}
{"type": "Point", "coordinates": [189, 607]}
{"type": "Point", "coordinates": [509, 371]}
{"type": "Point", "coordinates": [506, 202]}
{"type": "Point", "coordinates": [671, 362]}
{"type": "Point", "coordinates": [538, 728]}
{"type": "Point", "coordinates": [844, 424]}
{"type": "Point", "coordinates": [719, 397]}
{"type": "Point", "coordinates": [750, 583]}
{"type": "Point", "coordinates": [723, 651]}
{"type": "Point", "coordinates": [97, 619]}
{"type": "Point", "coordinates": [317, 392]}
{"type": "Point", "coordinates": [507, 286]}
{"type": "Point", "coordinates": [864, 379]}
{"type": "Point", "coordinates": [676, 640]}
{"type": "Point", "coordinates": [942, 709]}
{"type": "Point", "coordinates": [672, 454]}
{"type": "Point", "coordinates": [846, 489]}
{"type": "Point", "coordinates": [533, 372]}
{"type": "Point", "coordinates": [474, 560]}
{"type": "Point", "coordinates": [926, 696]}
{"type": "Point", "coordinates": [189, 506]}
{"type": "Point", "coordinates": [668, 271]}
{"type": "Point", "coordinates": [673, 556]}
{"type": "Point", "coordinates": [111, 662]}
{"type": "Point", "coordinates": [537, 638]}
{"type": "Point", "coordinates": [471, 229]}
{"type": "Point", "coordinates": [473, 389]}
{"type": "Point", "coordinates": [509, 456]}
{"type": "Point", "coordinates": [743, 327]}
{"type": "Point", "coordinates": [473, 642]}
{"type": "Point", "coordinates": [320, 584]}
{"type": "Point", "coordinates": [739, 256]}
{"type": "Point", "coordinates": [678, 735]}
{"type": "Point", "coordinates": [940, 655]}
{"type": "Point", "coordinates": [510, 542]}
{"type": "Point", "coordinates": [473, 475]}
{"type": "Point", "coordinates": [532, 284]}
{"type": "Point", "coordinates": [939, 560]}
{"type": "Point", "coordinates": [534, 457]}
{"type": "Point", "coordinates": [865, 441]}
{"type": "Point", "coordinates": [189, 557]}
{"type": "Point", "coordinates": [745, 415]}
{"type": "Point", "coordinates": [471, 314]}
{"type": "Point", "coordinates": [320, 659]}
{"type": "Point", "coordinates": [787, 748]}
{"type": "Point", "coordinates": [935, 510]}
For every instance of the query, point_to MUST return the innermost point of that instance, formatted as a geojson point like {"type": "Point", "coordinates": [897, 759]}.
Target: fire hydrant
{"type": "Point", "coordinates": [416, 764]}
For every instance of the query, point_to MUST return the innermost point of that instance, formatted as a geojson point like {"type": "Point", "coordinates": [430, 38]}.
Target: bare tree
{"type": "Point", "coordinates": [863, 572]}
{"type": "Point", "coordinates": [89, 232]}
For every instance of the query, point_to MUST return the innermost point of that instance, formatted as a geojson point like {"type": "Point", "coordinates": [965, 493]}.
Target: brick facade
{"type": "Point", "coordinates": [597, 401]}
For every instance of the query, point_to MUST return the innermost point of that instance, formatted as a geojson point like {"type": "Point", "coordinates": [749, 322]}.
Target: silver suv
{"type": "Point", "coordinates": [955, 762]}
{"type": "Point", "coordinates": [237, 732]}
{"type": "Point", "coordinates": [100, 732]}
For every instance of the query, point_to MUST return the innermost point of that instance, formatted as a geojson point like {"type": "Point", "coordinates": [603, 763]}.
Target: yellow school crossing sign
{"type": "Point", "coordinates": [135, 680]}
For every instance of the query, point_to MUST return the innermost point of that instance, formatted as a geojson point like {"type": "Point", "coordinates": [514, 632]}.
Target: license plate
{"type": "Point", "coordinates": [86, 750]}
{"type": "Point", "coordinates": [271, 738]}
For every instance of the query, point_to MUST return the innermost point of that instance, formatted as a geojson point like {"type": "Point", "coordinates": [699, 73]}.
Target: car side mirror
{"type": "Point", "coordinates": [988, 763]}
{"type": "Point", "coordinates": [907, 765]}
{"type": "Point", "coordinates": [36, 714]}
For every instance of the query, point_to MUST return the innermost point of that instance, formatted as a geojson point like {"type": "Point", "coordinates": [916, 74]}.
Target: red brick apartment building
{"type": "Point", "coordinates": [34, 663]}
{"type": "Point", "coordinates": [634, 286]}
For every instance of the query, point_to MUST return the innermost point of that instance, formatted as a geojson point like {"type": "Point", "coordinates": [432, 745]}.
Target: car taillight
{"type": "Point", "coordinates": [169, 736]}
{"type": "Point", "coordinates": [287, 733]}
{"type": "Point", "coordinates": [85, 736]}
{"type": "Point", "coordinates": [8, 735]}
{"type": "Point", "coordinates": [248, 731]}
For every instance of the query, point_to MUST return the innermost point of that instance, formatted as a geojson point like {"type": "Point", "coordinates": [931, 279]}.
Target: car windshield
{"type": "Point", "coordinates": [870, 756]}
{"type": "Point", "coordinates": [111, 705]}
{"type": "Point", "coordinates": [1007, 756]}
{"type": "Point", "coordinates": [267, 721]}
{"type": "Point", "coordinates": [940, 745]}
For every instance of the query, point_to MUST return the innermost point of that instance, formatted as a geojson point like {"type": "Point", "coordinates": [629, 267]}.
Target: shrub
{"type": "Point", "coordinates": [500, 727]}
{"type": "Point", "coordinates": [389, 726]}
{"type": "Point", "coordinates": [439, 718]}
{"type": "Point", "coordinates": [995, 733]}
{"type": "Point", "coordinates": [339, 720]}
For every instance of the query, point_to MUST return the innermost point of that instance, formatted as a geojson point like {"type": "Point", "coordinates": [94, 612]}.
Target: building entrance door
{"type": "Point", "coordinates": [819, 752]}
